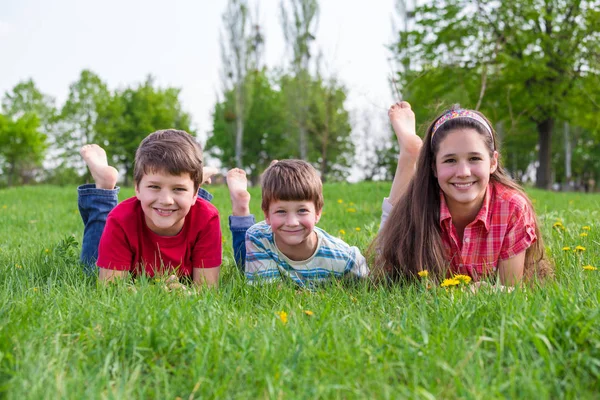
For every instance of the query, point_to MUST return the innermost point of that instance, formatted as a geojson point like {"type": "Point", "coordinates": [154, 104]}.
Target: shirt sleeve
{"type": "Point", "coordinates": [520, 233]}
{"type": "Point", "coordinates": [114, 251]}
{"type": "Point", "coordinates": [261, 265]}
{"type": "Point", "coordinates": [208, 247]}
{"type": "Point", "coordinates": [359, 268]}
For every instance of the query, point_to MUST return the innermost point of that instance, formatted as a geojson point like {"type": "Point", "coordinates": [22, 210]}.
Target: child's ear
{"type": "Point", "coordinates": [267, 220]}
{"type": "Point", "coordinates": [494, 162]}
{"type": "Point", "coordinates": [318, 216]}
{"type": "Point", "coordinates": [433, 169]}
{"type": "Point", "coordinates": [137, 190]}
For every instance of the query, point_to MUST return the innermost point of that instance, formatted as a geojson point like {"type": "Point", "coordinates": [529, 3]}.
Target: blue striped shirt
{"type": "Point", "coordinates": [333, 258]}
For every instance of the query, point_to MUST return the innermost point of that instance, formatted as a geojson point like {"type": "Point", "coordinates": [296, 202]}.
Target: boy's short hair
{"type": "Point", "coordinates": [171, 151]}
{"type": "Point", "coordinates": [291, 180]}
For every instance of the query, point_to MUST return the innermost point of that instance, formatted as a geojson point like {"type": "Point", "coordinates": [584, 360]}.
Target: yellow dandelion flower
{"type": "Point", "coordinates": [589, 268]}
{"type": "Point", "coordinates": [309, 313]}
{"type": "Point", "coordinates": [340, 201]}
{"type": "Point", "coordinates": [423, 274]}
{"type": "Point", "coordinates": [566, 248]}
{"type": "Point", "coordinates": [35, 289]}
{"type": "Point", "coordinates": [46, 250]}
{"type": "Point", "coordinates": [342, 232]}
{"type": "Point", "coordinates": [282, 316]}
{"type": "Point", "coordinates": [450, 282]}
{"type": "Point", "coordinates": [579, 248]}
{"type": "Point", "coordinates": [357, 229]}
{"type": "Point", "coordinates": [5, 206]}
{"type": "Point", "coordinates": [533, 201]}
{"type": "Point", "coordinates": [583, 234]}
{"type": "Point", "coordinates": [351, 210]}
{"type": "Point", "coordinates": [586, 228]}
{"type": "Point", "coordinates": [18, 266]}
{"type": "Point", "coordinates": [463, 278]}
{"type": "Point", "coordinates": [558, 225]}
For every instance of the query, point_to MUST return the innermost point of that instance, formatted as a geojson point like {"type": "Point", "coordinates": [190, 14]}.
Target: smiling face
{"type": "Point", "coordinates": [463, 167]}
{"type": "Point", "coordinates": [166, 199]}
{"type": "Point", "coordinates": [293, 223]}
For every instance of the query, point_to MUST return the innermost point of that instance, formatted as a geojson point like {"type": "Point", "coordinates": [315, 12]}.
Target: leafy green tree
{"type": "Point", "coordinates": [29, 117]}
{"type": "Point", "coordinates": [528, 56]}
{"type": "Point", "coordinates": [22, 147]}
{"type": "Point", "coordinates": [26, 98]}
{"type": "Point", "coordinates": [265, 132]}
{"type": "Point", "coordinates": [133, 113]}
{"type": "Point", "coordinates": [329, 129]}
{"type": "Point", "coordinates": [299, 19]}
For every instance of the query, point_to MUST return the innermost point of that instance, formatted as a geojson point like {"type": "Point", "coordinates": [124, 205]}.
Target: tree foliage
{"type": "Point", "coordinates": [522, 62]}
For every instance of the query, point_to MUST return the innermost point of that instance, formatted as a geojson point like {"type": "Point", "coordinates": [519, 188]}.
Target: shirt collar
{"type": "Point", "coordinates": [482, 215]}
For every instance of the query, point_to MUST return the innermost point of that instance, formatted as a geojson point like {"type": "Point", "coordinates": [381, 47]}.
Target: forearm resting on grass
{"type": "Point", "coordinates": [206, 276]}
{"type": "Point", "coordinates": [108, 275]}
{"type": "Point", "coordinates": [510, 271]}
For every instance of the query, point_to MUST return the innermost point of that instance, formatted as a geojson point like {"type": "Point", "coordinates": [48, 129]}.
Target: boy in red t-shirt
{"type": "Point", "coordinates": [166, 228]}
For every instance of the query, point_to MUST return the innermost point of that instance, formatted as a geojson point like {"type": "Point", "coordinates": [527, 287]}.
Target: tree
{"type": "Point", "coordinates": [299, 30]}
{"type": "Point", "coordinates": [528, 57]}
{"type": "Point", "coordinates": [22, 147]}
{"type": "Point", "coordinates": [131, 114]}
{"type": "Point", "coordinates": [79, 115]}
{"type": "Point", "coordinates": [29, 116]}
{"type": "Point", "coordinates": [241, 51]}
{"type": "Point", "coordinates": [328, 127]}
{"type": "Point", "coordinates": [265, 133]}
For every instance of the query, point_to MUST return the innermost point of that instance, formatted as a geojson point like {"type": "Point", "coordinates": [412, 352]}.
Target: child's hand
{"type": "Point", "coordinates": [475, 287]}
{"type": "Point", "coordinates": [172, 283]}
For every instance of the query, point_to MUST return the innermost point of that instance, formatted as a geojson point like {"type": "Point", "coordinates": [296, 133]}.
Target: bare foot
{"type": "Point", "coordinates": [402, 118]}
{"type": "Point", "coordinates": [238, 191]}
{"type": "Point", "coordinates": [104, 175]}
{"type": "Point", "coordinates": [207, 173]}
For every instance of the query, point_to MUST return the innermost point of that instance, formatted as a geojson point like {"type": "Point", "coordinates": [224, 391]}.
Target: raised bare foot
{"type": "Point", "coordinates": [402, 118]}
{"type": "Point", "coordinates": [104, 175]}
{"type": "Point", "coordinates": [207, 173]}
{"type": "Point", "coordinates": [238, 192]}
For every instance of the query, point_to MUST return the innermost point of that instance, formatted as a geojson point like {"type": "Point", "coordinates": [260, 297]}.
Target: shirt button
{"type": "Point", "coordinates": [466, 240]}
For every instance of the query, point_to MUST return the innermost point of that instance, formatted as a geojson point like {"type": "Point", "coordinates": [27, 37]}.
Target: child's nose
{"type": "Point", "coordinates": [292, 220]}
{"type": "Point", "coordinates": [463, 169]}
{"type": "Point", "coordinates": [165, 198]}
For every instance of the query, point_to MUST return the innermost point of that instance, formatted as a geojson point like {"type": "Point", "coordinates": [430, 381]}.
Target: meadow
{"type": "Point", "coordinates": [64, 336]}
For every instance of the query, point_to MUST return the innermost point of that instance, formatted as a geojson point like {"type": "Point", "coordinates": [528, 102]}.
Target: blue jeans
{"type": "Point", "coordinates": [94, 206]}
{"type": "Point", "coordinates": [238, 227]}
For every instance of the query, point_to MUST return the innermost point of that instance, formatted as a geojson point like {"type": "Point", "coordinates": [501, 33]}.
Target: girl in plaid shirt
{"type": "Point", "coordinates": [452, 208]}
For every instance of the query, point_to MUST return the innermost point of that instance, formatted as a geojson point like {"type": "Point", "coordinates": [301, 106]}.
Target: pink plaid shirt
{"type": "Point", "coordinates": [503, 228]}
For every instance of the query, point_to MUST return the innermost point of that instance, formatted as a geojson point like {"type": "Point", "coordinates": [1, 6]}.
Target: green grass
{"type": "Point", "coordinates": [62, 336]}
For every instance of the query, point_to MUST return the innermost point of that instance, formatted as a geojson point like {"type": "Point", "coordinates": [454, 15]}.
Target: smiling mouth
{"type": "Point", "coordinates": [163, 212]}
{"type": "Point", "coordinates": [463, 185]}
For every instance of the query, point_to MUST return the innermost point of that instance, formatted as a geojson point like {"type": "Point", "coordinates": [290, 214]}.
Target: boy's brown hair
{"type": "Point", "coordinates": [171, 151]}
{"type": "Point", "coordinates": [291, 180]}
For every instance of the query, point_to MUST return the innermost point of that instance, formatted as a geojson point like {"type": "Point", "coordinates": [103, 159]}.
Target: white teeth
{"type": "Point", "coordinates": [463, 185]}
{"type": "Point", "coordinates": [164, 212]}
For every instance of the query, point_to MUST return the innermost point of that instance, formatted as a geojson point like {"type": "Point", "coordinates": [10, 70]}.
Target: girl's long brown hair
{"type": "Point", "coordinates": [411, 239]}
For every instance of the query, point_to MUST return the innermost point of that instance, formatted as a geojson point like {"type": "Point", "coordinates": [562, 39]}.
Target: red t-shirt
{"type": "Point", "coordinates": [127, 243]}
{"type": "Point", "coordinates": [503, 228]}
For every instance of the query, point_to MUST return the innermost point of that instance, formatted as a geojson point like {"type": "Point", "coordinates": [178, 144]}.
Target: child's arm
{"type": "Point", "coordinates": [110, 274]}
{"type": "Point", "coordinates": [359, 267]}
{"type": "Point", "coordinates": [511, 270]}
{"type": "Point", "coordinates": [261, 265]}
{"type": "Point", "coordinates": [206, 276]}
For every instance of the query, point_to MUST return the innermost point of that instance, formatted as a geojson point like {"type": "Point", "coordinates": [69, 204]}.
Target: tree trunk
{"type": "Point", "coordinates": [568, 154]}
{"type": "Point", "coordinates": [544, 128]}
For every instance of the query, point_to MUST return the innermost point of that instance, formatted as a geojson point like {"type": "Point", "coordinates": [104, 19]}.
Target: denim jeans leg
{"type": "Point", "coordinates": [94, 205]}
{"type": "Point", "coordinates": [238, 227]}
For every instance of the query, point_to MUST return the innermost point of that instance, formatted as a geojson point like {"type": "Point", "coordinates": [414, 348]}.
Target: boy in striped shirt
{"type": "Point", "coordinates": [287, 244]}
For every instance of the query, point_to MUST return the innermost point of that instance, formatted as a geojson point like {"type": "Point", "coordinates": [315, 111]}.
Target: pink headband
{"type": "Point", "coordinates": [460, 113]}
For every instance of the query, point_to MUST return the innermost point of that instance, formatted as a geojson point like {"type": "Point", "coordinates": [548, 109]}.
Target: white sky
{"type": "Point", "coordinates": [177, 42]}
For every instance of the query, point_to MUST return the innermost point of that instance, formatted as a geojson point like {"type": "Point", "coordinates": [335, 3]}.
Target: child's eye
{"type": "Point", "coordinates": [303, 211]}
{"type": "Point", "coordinates": [449, 160]}
{"type": "Point", "coordinates": [476, 158]}
{"type": "Point", "coordinates": [180, 189]}
{"type": "Point", "coordinates": [153, 187]}
{"type": "Point", "coordinates": [280, 212]}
